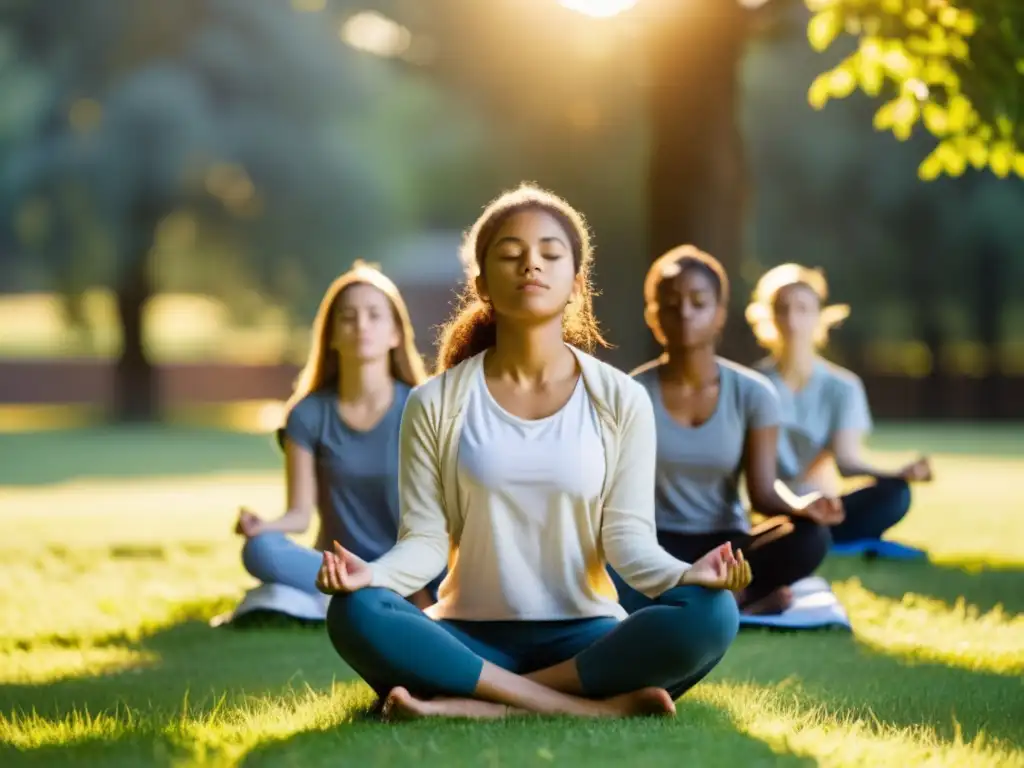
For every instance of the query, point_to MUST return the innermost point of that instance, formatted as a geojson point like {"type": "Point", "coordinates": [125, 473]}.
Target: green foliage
{"type": "Point", "coordinates": [955, 67]}
{"type": "Point", "coordinates": [245, 119]}
{"type": "Point", "coordinates": [833, 193]}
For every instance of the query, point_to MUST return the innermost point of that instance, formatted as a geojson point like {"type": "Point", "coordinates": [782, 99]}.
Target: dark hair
{"type": "Point", "coordinates": [472, 329]}
{"type": "Point", "coordinates": [684, 258]}
{"type": "Point", "coordinates": [687, 257]}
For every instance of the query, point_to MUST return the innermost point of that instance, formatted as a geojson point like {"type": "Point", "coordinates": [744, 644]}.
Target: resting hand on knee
{"type": "Point", "coordinates": [720, 569]}
{"type": "Point", "coordinates": [919, 471]}
{"type": "Point", "coordinates": [825, 511]}
{"type": "Point", "coordinates": [249, 523]}
{"type": "Point", "coordinates": [341, 572]}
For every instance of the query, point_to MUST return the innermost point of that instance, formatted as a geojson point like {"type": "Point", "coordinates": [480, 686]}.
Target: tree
{"type": "Point", "coordinates": [955, 66]}
{"type": "Point", "coordinates": [697, 183]}
{"type": "Point", "coordinates": [232, 110]}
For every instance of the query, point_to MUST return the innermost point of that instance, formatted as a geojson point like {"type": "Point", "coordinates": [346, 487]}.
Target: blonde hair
{"type": "Point", "coordinates": [322, 367]}
{"type": "Point", "coordinates": [472, 329]}
{"type": "Point", "coordinates": [760, 313]}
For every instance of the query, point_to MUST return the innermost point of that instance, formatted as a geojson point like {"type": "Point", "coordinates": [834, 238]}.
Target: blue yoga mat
{"type": "Point", "coordinates": [814, 606]}
{"type": "Point", "coordinates": [879, 549]}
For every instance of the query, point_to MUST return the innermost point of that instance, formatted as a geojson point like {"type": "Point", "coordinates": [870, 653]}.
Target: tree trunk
{"type": "Point", "coordinates": [136, 391]}
{"type": "Point", "coordinates": [697, 184]}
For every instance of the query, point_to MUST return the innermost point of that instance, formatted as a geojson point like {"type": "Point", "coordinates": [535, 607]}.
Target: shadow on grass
{"type": "Point", "coordinates": [701, 735]}
{"type": "Point", "coordinates": [205, 670]}
{"type": "Point", "coordinates": [213, 668]}
{"type": "Point", "coordinates": [198, 670]}
{"type": "Point", "coordinates": [120, 751]}
{"type": "Point", "coordinates": [834, 671]}
{"type": "Point", "coordinates": [38, 458]}
{"type": "Point", "coordinates": [196, 666]}
{"type": "Point", "coordinates": [984, 588]}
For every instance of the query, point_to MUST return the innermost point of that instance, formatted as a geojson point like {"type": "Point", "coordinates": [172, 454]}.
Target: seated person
{"type": "Point", "coordinates": [825, 413]}
{"type": "Point", "coordinates": [528, 465]}
{"type": "Point", "coordinates": [717, 420]}
{"type": "Point", "coordinates": [341, 434]}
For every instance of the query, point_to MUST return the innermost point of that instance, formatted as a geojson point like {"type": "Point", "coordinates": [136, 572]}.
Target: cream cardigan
{"type": "Point", "coordinates": [431, 518]}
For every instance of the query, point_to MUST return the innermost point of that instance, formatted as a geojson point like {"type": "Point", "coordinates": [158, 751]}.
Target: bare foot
{"type": "Point", "coordinates": [773, 603]}
{"type": "Point", "coordinates": [402, 705]}
{"type": "Point", "coordinates": [645, 702]}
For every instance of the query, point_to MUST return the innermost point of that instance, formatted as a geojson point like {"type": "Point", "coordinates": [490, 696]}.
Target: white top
{"type": "Point", "coordinates": [570, 545]}
{"type": "Point", "coordinates": [528, 488]}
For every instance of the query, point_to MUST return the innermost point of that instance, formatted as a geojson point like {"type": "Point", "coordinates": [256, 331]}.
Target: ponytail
{"type": "Point", "coordinates": [472, 331]}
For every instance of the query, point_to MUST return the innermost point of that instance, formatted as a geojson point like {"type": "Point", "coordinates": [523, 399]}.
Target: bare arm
{"type": "Point", "coordinates": [848, 448]}
{"type": "Point", "coordinates": [300, 478]}
{"type": "Point", "coordinates": [759, 469]}
{"type": "Point", "coordinates": [769, 495]}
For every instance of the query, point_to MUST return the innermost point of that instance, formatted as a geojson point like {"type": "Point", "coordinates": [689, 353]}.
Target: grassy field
{"type": "Point", "coordinates": [116, 548]}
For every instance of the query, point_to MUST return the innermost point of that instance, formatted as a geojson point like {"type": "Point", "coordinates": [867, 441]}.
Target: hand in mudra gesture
{"type": "Point", "coordinates": [825, 511]}
{"type": "Point", "coordinates": [720, 569]}
{"type": "Point", "coordinates": [342, 572]}
{"type": "Point", "coordinates": [919, 471]}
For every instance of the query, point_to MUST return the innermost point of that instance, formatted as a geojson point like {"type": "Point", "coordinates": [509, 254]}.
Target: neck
{"type": "Point", "coordinates": [365, 381]}
{"type": "Point", "coordinates": [796, 363]}
{"type": "Point", "coordinates": [531, 353]}
{"type": "Point", "coordinates": [696, 367]}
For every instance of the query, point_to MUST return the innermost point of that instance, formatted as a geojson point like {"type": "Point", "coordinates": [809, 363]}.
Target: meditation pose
{"type": "Point", "coordinates": [528, 466]}
{"type": "Point", "coordinates": [825, 413]}
{"type": "Point", "coordinates": [340, 437]}
{"type": "Point", "coordinates": [717, 420]}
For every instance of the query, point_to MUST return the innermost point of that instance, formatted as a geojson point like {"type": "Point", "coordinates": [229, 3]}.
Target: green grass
{"type": "Point", "coordinates": [116, 548]}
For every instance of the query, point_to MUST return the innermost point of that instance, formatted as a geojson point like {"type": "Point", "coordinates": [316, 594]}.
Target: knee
{"type": "Point", "coordinates": [901, 496]}
{"type": "Point", "coordinates": [897, 499]}
{"type": "Point", "coordinates": [349, 615]}
{"type": "Point", "coordinates": [258, 554]}
{"type": "Point", "coordinates": [708, 620]}
{"type": "Point", "coordinates": [721, 617]}
{"type": "Point", "coordinates": [812, 541]}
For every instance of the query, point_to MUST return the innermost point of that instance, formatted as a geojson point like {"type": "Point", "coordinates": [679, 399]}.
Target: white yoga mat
{"type": "Point", "coordinates": [278, 599]}
{"type": "Point", "coordinates": [814, 606]}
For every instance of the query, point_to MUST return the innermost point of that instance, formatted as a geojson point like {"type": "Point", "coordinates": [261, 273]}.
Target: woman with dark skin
{"type": "Point", "coordinates": [715, 421]}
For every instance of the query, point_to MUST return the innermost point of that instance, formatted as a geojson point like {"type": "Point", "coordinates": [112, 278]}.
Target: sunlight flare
{"type": "Point", "coordinates": [599, 8]}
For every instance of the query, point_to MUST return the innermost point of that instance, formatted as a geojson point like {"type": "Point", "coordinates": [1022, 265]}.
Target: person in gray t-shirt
{"type": "Point", "coordinates": [825, 414]}
{"type": "Point", "coordinates": [340, 437]}
{"type": "Point", "coordinates": [716, 421]}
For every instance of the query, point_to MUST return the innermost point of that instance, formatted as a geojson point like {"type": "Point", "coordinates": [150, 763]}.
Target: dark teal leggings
{"type": "Point", "coordinates": [671, 644]}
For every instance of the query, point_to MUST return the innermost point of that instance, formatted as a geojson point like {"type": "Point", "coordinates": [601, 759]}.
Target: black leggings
{"type": "Point", "coordinates": [780, 550]}
{"type": "Point", "coordinates": [872, 511]}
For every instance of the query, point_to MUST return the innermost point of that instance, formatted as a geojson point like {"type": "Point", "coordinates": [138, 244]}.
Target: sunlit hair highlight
{"type": "Point", "coordinates": [322, 365]}
{"type": "Point", "coordinates": [760, 313]}
{"type": "Point", "coordinates": [472, 328]}
{"type": "Point", "coordinates": [671, 264]}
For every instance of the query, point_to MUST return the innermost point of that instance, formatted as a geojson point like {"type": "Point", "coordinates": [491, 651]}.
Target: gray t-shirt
{"type": "Point", "coordinates": [697, 487]}
{"type": "Point", "coordinates": [356, 472]}
{"type": "Point", "coordinates": [831, 401]}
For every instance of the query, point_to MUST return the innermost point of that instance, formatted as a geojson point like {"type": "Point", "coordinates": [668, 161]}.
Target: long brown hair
{"type": "Point", "coordinates": [322, 369]}
{"type": "Point", "coordinates": [472, 328]}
